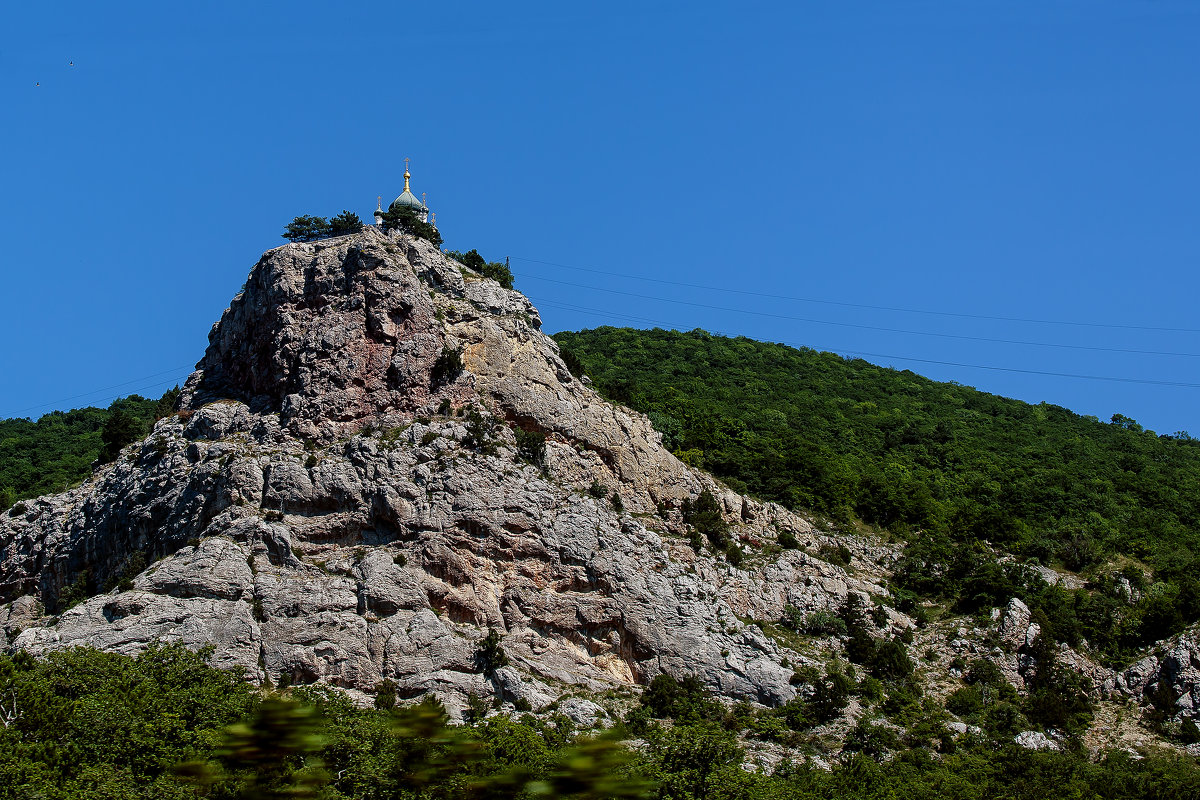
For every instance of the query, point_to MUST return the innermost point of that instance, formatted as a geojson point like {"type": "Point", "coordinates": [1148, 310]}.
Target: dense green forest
{"type": "Point", "coordinates": [57, 451]}
{"type": "Point", "coordinates": [943, 465]}
{"type": "Point", "coordinates": [87, 725]}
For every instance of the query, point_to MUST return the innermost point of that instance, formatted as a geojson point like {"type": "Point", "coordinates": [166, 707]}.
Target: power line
{"type": "Point", "coordinates": [959, 336]}
{"type": "Point", "coordinates": [899, 309]}
{"type": "Point", "coordinates": [175, 370]}
{"type": "Point", "coordinates": [1110, 378]}
{"type": "Point", "coordinates": [612, 314]}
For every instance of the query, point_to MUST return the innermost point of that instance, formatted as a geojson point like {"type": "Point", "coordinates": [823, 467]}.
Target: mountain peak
{"type": "Point", "coordinates": [379, 459]}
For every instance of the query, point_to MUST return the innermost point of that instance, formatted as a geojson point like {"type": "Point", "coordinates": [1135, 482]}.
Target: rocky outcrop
{"type": "Point", "coordinates": [1035, 740]}
{"type": "Point", "coordinates": [1168, 678]}
{"type": "Point", "coordinates": [334, 502]}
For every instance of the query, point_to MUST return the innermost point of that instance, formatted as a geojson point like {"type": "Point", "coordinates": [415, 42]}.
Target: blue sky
{"type": "Point", "coordinates": [1017, 160]}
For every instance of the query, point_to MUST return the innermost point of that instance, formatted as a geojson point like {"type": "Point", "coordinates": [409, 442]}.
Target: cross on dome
{"type": "Point", "coordinates": [409, 200]}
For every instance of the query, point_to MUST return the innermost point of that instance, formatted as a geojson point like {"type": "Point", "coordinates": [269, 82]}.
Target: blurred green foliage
{"type": "Point", "coordinates": [87, 725]}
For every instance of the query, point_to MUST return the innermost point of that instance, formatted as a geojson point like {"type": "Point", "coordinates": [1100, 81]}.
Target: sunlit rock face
{"type": "Point", "coordinates": [334, 502]}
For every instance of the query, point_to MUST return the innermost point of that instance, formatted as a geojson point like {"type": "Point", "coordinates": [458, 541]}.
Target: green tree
{"type": "Point", "coordinates": [490, 655]}
{"type": "Point", "coordinates": [306, 229]}
{"type": "Point", "coordinates": [120, 429]}
{"type": "Point", "coordinates": [447, 367]}
{"type": "Point", "coordinates": [405, 220]}
{"type": "Point", "coordinates": [344, 223]}
{"type": "Point", "coordinates": [471, 259]}
{"type": "Point", "coordinates": [498, 272]}
{"type": "Point", "coordinates": [694, 761]}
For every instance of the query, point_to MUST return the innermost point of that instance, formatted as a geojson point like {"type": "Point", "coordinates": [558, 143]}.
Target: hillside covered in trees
{"type": "Point", "coordinates": [57, 450]}
{"type": "Point", "coordinates": [862, 443]}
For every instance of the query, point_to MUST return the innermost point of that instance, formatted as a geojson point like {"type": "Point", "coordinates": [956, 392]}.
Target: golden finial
{"type": "Point", "coordinates": [433, 219]}
{"type": "Point", "coordinates": [423, 196]}
{"type": "Point", "coordinates": [406, 175]}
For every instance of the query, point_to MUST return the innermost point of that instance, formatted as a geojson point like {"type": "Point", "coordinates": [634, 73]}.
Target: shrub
{"type": "Point", "coordinates": [76, 593]}
{"type": "Point", "coordinates": [120, 429]}
{"type": "Point", "coordinates": [890, 661]}
{"type": "Point", "coordinates": [477, 709]}
{"type": "Point", "coordinates": [984, 672]}
{"type": "Point", "coordinates": [344, 223]}
{"type": "Point", "coordinates": [597, 490]}
{"type": "Point", "coordinates": [385, 694]}
{"type": "Point", "coordinates": [471, 259]}
{"type": "Point", "coordinates": [574, 365]}
{"type": "Point", "coordinates": [479, 432]}
{"type": "Point", "coordinates": [818, 623]}
{"type": "Point", "coordinates": [447, 367]}
{"type": "Point", "coordinates": [831, 694]}
{"type": "Point", "coordinates": [704, 514]}
{"type": "Point", "coordinates": [684, 700]}
{"type": "Point", "coordinates": [531, 446]}
{"type": "Point", "coordinates": [965, 701]}
{"type": "Point", "coordinates": [805, 675]}
{"type": "Point", "coordinates": [787, 540]}
{"type": "Point", "coordinates": [870, 740]}
{"type": "Point", "coordinates": [835, 554]}
{"type": "Point", "coordinates": [131, 569]}
{"type": "Point", "coordinates": [870, 689]}
{"type": "Point", "coordinates": [498, 272]}
{"type": "Point", "coordinates": [490, 655]}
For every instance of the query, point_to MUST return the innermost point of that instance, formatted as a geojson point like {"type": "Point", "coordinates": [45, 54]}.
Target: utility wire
{"type": "Point", "coordinates": [859, 326]}
{"type": "Point", "coordinates": [612, 314]}
{"type": "Point", "coordinates": [175, 370]}
{"type": "Point", "coordinates": [1115, 379]}
{"type": "Point", "coordinates": [930, 312]}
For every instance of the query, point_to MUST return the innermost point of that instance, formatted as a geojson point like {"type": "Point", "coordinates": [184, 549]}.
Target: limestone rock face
{"type": "Point", "coordinates": [1035, 740]}
{"type": "Point", "coordinates": [331, 503]}
{"type": "Point", "coordinates": [1170, 677]}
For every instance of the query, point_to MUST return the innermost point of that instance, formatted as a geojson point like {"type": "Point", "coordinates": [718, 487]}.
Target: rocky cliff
{"type": "Point", "coordinates": [355, 488]}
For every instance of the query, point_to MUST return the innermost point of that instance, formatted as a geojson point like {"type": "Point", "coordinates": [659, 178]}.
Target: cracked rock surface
{"type": "Point", "coordinates": [330, 504]}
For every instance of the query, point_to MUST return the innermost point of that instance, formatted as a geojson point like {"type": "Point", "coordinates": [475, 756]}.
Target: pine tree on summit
{"type": "Point", "coordinates": [307, 229]}
{"type": "Point", "coordinates": [345, 223]}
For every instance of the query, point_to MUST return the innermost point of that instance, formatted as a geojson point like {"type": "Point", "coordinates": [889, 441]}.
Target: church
{"type": "Point", "coordinates": [406, 200]}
